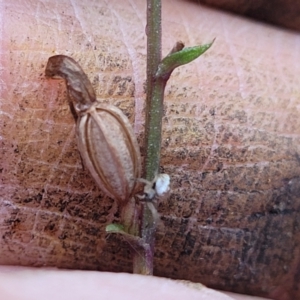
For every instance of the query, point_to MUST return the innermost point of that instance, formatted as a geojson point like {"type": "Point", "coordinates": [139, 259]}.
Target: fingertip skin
{"type": "Point", "coordinates": [17, 283]}
{"type": "Point", "coordinates": [231, 136]}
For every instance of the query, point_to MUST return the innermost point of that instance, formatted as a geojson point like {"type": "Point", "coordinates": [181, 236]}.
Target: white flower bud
{"type": "Point", "coordinates": [158, 186]}
{"type": "Point", "coordinates": [162, 184]}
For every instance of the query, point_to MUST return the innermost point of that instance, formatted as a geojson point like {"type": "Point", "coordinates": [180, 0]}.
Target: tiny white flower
{"type": "Point", "coordinates": [158, 186]}
{"type": "Point", "coordinates": [162, 184]}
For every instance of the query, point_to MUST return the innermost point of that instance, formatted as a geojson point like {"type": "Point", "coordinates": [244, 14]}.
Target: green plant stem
{"type": "Point", "coordinates": [158, 73]}
{"type": "Point", "coordinates": [143, 262]}
{"type": "Point", "coordinates": [154, 100]}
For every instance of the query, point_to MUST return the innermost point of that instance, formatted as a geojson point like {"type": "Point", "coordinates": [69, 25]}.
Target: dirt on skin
{"type": "Point", "coordinates": [280, 12]}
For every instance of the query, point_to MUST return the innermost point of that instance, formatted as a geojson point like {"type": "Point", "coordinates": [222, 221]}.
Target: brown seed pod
{"type": "Point", "coordinates": [105, 138]}
{"type": "Point", "coordinates": [109, 150]}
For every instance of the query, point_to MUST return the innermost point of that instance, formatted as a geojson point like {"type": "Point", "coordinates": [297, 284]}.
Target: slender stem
{"type": "Point", "coordinates": [158, 73]}
{"type": "Point", "coordinates": [143, 262]}
{"type": "Point", "coordinates": [154, 97]}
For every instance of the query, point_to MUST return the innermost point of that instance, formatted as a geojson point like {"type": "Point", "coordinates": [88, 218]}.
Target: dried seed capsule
{"type": "Point", "coordinates": [109, 150]}
{"type": "Point", "coordinates": [106, 141]}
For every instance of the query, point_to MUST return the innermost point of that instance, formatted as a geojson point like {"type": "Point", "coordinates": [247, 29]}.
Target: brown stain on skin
{"type": "Point", "coordinates": [232, 218]}
{"type": "Point", "coordinates": [280, 12]}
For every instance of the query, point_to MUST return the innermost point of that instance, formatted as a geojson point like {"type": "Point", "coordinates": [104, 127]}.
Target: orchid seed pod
{"type": "Point", "coordinates": [105, 138]}
{"type": "Point", "coordinates": [109, 150]}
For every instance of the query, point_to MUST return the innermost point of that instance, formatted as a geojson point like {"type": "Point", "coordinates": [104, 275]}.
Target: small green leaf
{"type": "Point", "coordinates": [182, 57]}
{"type": "Point", "coordinates": [115, 228]}
{"type": "Point", "coordinates": [133, 240]}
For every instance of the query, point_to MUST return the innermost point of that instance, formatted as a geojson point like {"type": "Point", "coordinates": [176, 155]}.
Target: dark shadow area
{"type": "Point", "coordinates": [283, 13]}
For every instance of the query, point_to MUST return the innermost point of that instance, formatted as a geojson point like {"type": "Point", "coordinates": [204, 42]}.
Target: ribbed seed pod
{"type": "Point", "coordinates": [109, 150]}
{"type": "Point", "coordinates": [105, 138]}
